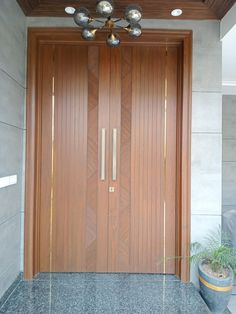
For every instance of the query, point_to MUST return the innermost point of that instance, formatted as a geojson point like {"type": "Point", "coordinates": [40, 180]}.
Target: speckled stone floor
{"type": "Point", "coordinates": [104, 293]}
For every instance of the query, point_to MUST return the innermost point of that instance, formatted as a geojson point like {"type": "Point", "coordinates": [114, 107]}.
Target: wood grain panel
{"type": "Point", "coordinates": [171, 156]}
{"type": "Point", "coordinates": [92, 159]}
{"type": "Point", "coordinates": [70, 177]}
{"type": "Point", "coordinates": [103, 200]}
{"type": "Point", "coordinates": [159, 9]}
{"type": "Point", "coordinates": [220, 8]}
{"type": "Point", "coordinates": [114, 121]}
{"type": "Point", "coordinates": [124, 205]}
{"type": "Point", "coordinates": [147, 220]}
{"type": "Point", "coordinates": [46, 73]}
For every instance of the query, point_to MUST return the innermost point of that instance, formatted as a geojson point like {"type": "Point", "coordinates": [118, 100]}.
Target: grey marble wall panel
{"type": "Point", "coordinates": [12, 117]}
{"type": "Point", "coordinates": [229, 149]}
{"type": "Point", "coordinates": [10, 252]}
{"type": "Point", "coordinates": [207, 105]}
{"type": "Point", "coordinates": [229, 154]}
{"type": "Point", "coordinates": [206, 173]}
{"type": "Point", "coordinates": [11, 149]}
{"type": "Point", "coordinates": [12, 101]}
{"type": "Point", "coordinates": [229, 183]}
{"type": "Point", "coordinates": [13, 40]}
{"type": "Point", "coordinates": [229, 117]}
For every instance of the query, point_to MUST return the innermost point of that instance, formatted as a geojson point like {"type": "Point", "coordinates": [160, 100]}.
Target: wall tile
{"type": "Point", "coordinates": [207, 112]}
{"type": "Point", "coordinates": [13, 43]}
{"type": "Point", "coordinates": [202, 225]}
{"type": "Point", "coordinates": [206, 70]}
{"type": "Point", "coordinates": [10, 252]}
{"type": "Point", "coordinates": [229, 183]}
{"type": "Point", "coordinates": [8, 277]}
{"type": "Point", "coordinates": [206, 173]}
{"type": "Point", "coordinates": [226, 208]}
{"type": "Point", "coordinates": [11, 150]}
{"type": "Point", "coordinates": [229, 149]}
{"type": "Point", "coordinates": [229, 117]}
{"type": "Point", "coordinates": [12, 101]}
{"type": "Point", "coordinates": [22, 242]}
{"type": "Point", "coordinates": [10, 200]}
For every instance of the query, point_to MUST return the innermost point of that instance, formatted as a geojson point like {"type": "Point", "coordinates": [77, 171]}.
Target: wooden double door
{"type": "Point", "coordinates": [108, 165]}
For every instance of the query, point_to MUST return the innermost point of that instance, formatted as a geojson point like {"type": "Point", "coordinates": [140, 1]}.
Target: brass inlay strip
{"type": "Point", "coordinates": [165, 162]}
{"type": "Point", "coordinates": [213, 287]}
{"type": "Point", "coordinates": [52, 171]}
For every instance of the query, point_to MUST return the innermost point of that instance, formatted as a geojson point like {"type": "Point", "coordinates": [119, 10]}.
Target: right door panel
{"type": "Point", "coordinates": [143, 109]}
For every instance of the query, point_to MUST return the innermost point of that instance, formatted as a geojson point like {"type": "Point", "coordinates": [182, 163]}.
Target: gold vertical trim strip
{"type": "Point", "coordinates": [52, 170]}
{"type": "Point", "coordinates": [165, 163]}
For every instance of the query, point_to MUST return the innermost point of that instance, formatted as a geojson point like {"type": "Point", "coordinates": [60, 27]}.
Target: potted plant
{"type": "Point", "coordinates": [216, 261]}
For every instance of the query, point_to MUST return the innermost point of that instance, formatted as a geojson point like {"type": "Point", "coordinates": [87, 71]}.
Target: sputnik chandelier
{"type": "Point", "coordinates": [105, 9]}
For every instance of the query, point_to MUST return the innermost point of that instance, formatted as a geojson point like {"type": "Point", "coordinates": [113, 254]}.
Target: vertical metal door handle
{"type": "Point", "coordinates": [103, 154]}
{"type": "Point", "coordinates": [114, 154]}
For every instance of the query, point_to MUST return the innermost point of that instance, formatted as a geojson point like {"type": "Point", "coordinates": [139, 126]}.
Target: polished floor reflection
{"type": "Point", "coordinates": [104, 293]}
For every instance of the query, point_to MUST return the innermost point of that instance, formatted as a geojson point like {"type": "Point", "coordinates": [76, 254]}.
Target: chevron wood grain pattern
{"type": "Point", "coordinates": [92, 159]}
{"type": "Point", "coordinates": [103, 196]}
{"type": "Point", "coordinates": [114, 226]}
{"type": "Point", "coordinates": [154, 9]}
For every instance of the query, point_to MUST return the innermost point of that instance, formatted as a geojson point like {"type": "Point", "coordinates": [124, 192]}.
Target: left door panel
{"type": "Point", "coordinates": [74, 201]}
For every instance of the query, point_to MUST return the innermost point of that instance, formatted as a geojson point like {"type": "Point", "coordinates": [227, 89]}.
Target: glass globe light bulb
{"type": "Point", "coordinates": [134, 31]}
{"type": "Point", "coordinates": [89, 33]}
{"type": "Point", "coordinates": [105, 8]}
{"type": "Point", "coordinates": [113, 40]}
{"type": "Point", "coordinates": [133, 14]}
{"type": "Point", "coordinates": [81, 17]}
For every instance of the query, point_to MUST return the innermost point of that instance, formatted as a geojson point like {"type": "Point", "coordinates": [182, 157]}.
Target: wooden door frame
{"type": "Point", "coordinates": [37, 36]}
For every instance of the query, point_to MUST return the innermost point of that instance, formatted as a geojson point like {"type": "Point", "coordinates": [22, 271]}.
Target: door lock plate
{"type": "Point", "coordinates": [111, 189]}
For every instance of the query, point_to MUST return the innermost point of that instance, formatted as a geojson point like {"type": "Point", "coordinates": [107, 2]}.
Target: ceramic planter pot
{"type": "Point", "coordinates": [216, 292]}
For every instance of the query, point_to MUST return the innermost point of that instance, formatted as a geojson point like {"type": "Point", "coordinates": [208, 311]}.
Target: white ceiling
{"type": "Point", "coordinates": [229, 62]}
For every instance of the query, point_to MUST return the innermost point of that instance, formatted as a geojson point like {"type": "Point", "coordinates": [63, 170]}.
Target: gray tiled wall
{"type": "Point", "coordinates": [229, 153]}
{"type": "Point", "coordinates": [12, 132]}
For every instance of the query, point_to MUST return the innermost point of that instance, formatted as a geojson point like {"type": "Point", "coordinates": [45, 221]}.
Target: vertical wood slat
{"type": "Point", "coordinates": [114, 122]}
{"type": "Point", "coordinates": [46, 65]}
{"type": "Point", "coordinates": [92, 159]}
{"type": "Point", "coordinates": [143, 214]}
{"type": "Point", "coordinates": [148, 164]}
{"type": "Point", "coordinates": [171, 155]}
{"type": "Point", "coordinates": [124, 204]}
{"type": "Point", "coordinates": [103, 122]}
{"type": "Point", "coordinates": [68, 228]}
